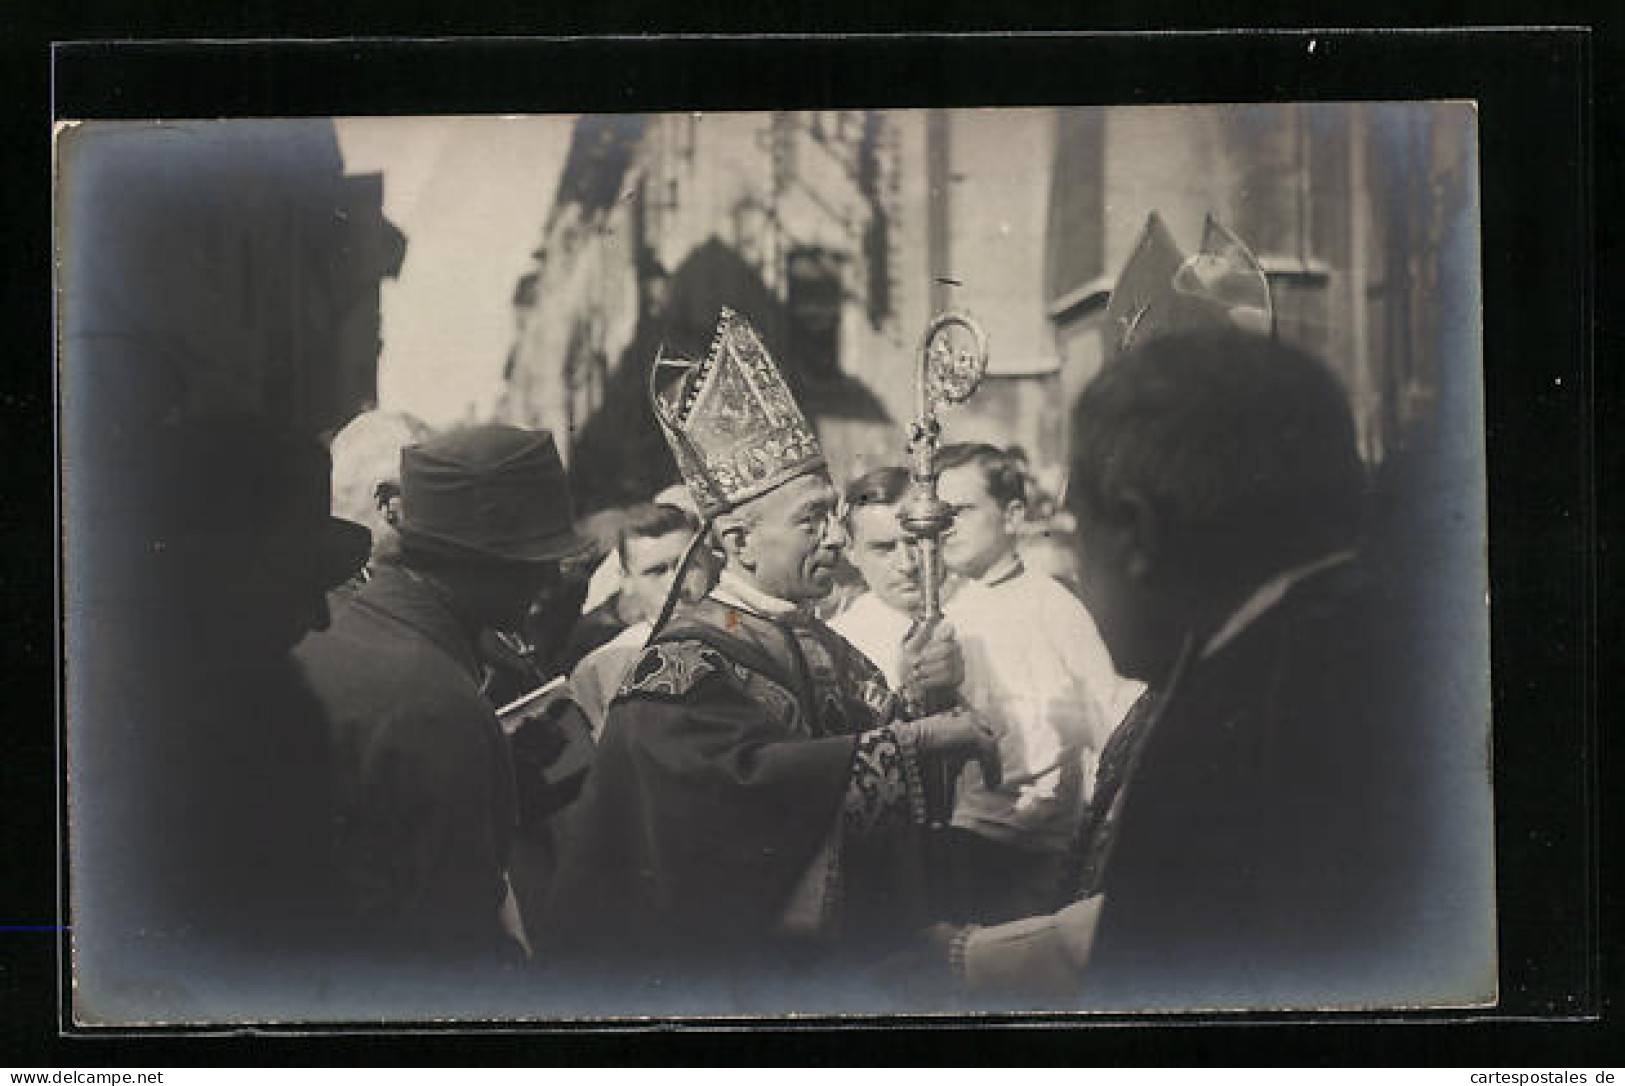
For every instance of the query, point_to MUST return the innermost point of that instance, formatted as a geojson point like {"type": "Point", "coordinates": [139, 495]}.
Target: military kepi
{"type": "Point", "coordinates": [732, 424]}
{"type": "Point", "coordinates": [488, 493]}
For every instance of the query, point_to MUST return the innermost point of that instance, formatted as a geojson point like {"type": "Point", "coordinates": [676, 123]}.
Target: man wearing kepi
{"type": "Point", "coordinates": [750, 817]}
{"type": "Point", "coordinates": [424, 777]}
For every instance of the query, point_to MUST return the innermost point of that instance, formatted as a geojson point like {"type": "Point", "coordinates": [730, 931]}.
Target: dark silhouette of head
{"type": "Point", "coordinates": [1204, 463]}
{"type": "Point", "coordinates": [215, 532]}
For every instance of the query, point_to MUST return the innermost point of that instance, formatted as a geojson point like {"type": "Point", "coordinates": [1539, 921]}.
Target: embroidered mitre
{"type": "Point", "coordinates": [732, 424]}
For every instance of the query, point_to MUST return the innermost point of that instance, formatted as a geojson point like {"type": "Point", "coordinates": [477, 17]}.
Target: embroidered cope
{"type": "Point", "coordinates": [752, 792]}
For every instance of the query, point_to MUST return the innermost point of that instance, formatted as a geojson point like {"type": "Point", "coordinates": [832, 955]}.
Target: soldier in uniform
{"type": "Point", "coordinates": [749, 822]}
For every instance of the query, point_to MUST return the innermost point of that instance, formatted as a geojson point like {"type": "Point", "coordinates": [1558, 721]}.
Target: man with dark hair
{"type": "Point", "coordinates": [650, 545]}
{"type": "Point", "coordinates": [425, 780]}
{"type": "Point", "coordinates": [650, 538]}
{"type": "Point", "coordinates": [1003, 479]}
{"type": "Point", "coordinates": [651, 542]}
{"type": "Point", "coordinates": [1036, 666]}
{"type": "Point", "coordinates": [879, 621]}
{"type": "Point", "coordinates": [1253, 838]}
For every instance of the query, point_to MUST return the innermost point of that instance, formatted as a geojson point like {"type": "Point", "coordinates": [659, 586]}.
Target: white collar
{"type": "Point", "coordinates": [1003, 569]}
{"type": "Point", "coordinates": [1267, 595]}
{"type": "Point", "coordinates": [733, 589]}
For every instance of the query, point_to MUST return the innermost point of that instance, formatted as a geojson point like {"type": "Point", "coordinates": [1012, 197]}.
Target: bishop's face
{"type": "Point", "coordinates": [791, 539]}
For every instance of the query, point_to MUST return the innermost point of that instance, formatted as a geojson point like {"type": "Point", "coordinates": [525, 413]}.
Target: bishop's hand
{"type": "Point", "coordinates": [961, 732]}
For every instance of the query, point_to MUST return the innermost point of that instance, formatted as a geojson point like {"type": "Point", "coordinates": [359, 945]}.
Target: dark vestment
{"type": "Point", "coordinates": [749, 811]}
{"type": "Point", "coordinates": [424, 779]}
{"type": "Point", "coordinates": [1267, 846]}
{"type": "Point", "coordinates": [203, 880]}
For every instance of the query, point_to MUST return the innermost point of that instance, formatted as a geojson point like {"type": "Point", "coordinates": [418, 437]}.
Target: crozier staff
{"type": "Point", "coordinates": [953, 356]}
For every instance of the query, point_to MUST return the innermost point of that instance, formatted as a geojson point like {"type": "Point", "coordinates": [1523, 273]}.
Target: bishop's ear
{"type": "Point", "coordinates": [732, 536]}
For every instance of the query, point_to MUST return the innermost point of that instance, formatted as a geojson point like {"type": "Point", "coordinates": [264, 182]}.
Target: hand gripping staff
{"type": "Point", "coordinates": [953, 357]}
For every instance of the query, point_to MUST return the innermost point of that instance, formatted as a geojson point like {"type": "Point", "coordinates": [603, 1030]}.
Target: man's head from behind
{"type": "Point", "coordinates": [788, 541]}
{"type": "Point", "coordinates": [986, 488]}
{"type": "Point", "coordinates": [651, 542]}
{"type": "Point", "coordinates": [1203, 464]}
{"type": "Point", "coordinates": [367, 473]}
{"type": "Point", "coordinates": [881, 550]}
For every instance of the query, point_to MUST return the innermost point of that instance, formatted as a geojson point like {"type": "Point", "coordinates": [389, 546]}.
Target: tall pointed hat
{"type": "Point", "coordinates": [732, 424]}
{"type": "Point", "coordinates": [1161, 291]}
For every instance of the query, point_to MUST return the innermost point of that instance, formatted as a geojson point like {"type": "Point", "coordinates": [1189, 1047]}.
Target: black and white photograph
{"type": "Point", "coordinates": [739, 564]}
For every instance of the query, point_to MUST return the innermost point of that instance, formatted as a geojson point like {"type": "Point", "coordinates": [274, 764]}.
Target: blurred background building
{"type": "Point", "coordinates": [241, 265]}
{"type": "Point", "coordinates": [840, 233]}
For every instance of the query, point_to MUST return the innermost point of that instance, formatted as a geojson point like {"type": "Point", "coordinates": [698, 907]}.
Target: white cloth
{"type": "Point", "coordinates": [733, 589]}
{"type": "Point", "coordinates": [1035, 665]}
{"type": "Point", "coordinates": [599, 673]}
{"type": "Point", "coordinates": [875, 629]}
{"type": "Point", "coordinates": [605, 582]}
{"type": "Point", "coordinates": [1036, 957]}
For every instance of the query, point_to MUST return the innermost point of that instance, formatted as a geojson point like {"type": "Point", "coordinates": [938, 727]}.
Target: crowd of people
{"type": "Point", "coordinates": [487, 754]}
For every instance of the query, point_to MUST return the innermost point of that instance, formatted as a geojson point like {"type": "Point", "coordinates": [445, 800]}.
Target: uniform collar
{"type": "Point", "coordinates": [424, 606]}
{"type": "Point", "coordinates": [1267, 595]}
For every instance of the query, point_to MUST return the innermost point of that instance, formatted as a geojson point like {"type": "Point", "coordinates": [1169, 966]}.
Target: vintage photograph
{"type": "Point", "coordinates": [565, 568]}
